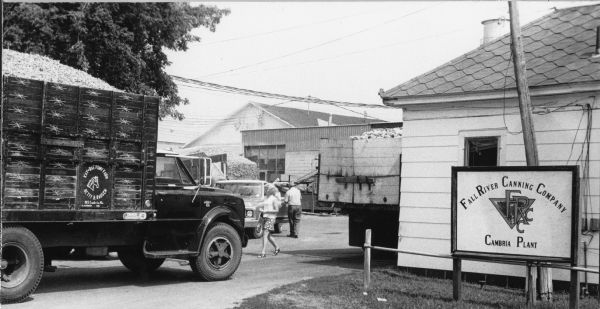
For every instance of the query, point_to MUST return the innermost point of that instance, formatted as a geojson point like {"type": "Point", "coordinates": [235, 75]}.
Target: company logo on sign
{"type": "Point", "coordinates": [96, 180]}
{"type": "Point", "coordinates": [510, 212]}
{"type": "Point", "coordinates": [514, 209]}
{"type": "Point", "coordinates": [93, 184]}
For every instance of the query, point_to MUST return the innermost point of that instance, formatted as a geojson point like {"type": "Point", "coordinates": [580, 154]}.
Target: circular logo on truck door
{"type": "Point", "coordinates": [94, 186]}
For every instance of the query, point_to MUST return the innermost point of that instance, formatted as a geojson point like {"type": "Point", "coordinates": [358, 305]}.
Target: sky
{"type": "Point", "coordinates": [342, 51]}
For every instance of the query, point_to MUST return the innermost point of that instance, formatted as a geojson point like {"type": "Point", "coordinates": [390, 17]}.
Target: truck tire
{"type": "Point", "coordinates": [220, 255]}
{"type": "Point", "coordinates": [134, 260]}
{"type": "Point", "coordinates": [22, 264]}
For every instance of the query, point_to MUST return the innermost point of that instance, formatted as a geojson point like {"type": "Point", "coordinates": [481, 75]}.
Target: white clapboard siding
{"type": "Point", "coordinates": [425, 230]}
{"type": "Point", "coordinates": [427, 169]}
{"type": "Point", "coordinates": [425, 200]}
{"type": "Point", "coordinates": [428, 141]}
{"type": "Point", "coordinates": [430, 154]}
{"type": "Point", "coordinates": [432, 143]}
{"type": "Point", "coordinates": [426, 184]}
{"type": "Point", "coordinates": [551, 152]}
{"type": "Point", "coordinates": [425, 215]}
{"type": "Point", "coordinates": [553, 137]}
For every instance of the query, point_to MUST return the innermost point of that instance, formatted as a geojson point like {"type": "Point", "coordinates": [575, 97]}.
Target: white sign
{"type": "Point", "coordinates": [514, 212]}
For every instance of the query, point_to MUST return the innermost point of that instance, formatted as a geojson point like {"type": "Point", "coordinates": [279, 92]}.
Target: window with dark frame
{"type": "Point", "coordinates": [270, 160]}
{"type": "Point", "coordinates": [481, 151]}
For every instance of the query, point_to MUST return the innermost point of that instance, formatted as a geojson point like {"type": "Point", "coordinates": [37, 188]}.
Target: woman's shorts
{"type": "Point", "coordinates": [269, 224]}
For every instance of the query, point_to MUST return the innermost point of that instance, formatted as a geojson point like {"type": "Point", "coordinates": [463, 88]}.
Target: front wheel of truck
{"type": "Point", "coordinates": [220, 255]}
{"type": "Point", "coordinates": [22, 264]}
{"type": "Point", "coordinates": [134, 260]}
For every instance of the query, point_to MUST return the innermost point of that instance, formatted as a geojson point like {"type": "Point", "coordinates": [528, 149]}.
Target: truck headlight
{"type": "Point", "coordinates": [148, 203]}
{"type": "Point", "coordinates": [249, 213]}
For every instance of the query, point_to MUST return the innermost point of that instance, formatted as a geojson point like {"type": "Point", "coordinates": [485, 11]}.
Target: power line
{"type": "Point", "coordinates": [229, 89]}
{"type": "Point", "coordinates": [337, 56]}
{"type": "Point", "coordinates": [318, 45]}
{"type": "Point", "coordinates": [249, 36]}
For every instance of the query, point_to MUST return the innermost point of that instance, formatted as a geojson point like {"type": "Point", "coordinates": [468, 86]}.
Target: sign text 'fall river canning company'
{"type": "Point", "coordinates": [515, 212]}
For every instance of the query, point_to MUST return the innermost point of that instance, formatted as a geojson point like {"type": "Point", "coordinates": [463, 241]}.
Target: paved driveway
{"type": "Point", "coordinates": [321, 250]}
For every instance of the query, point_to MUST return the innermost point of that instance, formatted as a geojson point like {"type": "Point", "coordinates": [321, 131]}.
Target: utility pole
{"type": "Point", "coordinates": [531, 153]}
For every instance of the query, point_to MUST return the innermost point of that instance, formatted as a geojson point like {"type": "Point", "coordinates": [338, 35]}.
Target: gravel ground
{"type": "Point", "coordinates": [38, 67]}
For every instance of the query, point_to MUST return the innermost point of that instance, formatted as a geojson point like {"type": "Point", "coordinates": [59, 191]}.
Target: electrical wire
{"type": "Point", "coordinates": [188, 82]}
{"type": "Point", "coordinates": [318, 45]}
{"type": "Point", "coordinates": [378, 48]}
{"type": "Point", "coordinates": [249, 36]}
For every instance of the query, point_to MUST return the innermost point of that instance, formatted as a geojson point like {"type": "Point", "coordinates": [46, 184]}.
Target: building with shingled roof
{"type": "Point", "coordinates": [226, 134]}
{"type": "Point", "coordinates": [465, 113]}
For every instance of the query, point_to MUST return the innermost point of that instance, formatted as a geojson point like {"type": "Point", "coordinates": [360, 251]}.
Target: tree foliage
{"type": "Point", "coordinates": [121, 43]}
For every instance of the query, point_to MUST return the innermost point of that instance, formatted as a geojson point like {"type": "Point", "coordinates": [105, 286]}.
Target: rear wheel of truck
{"type": "Point", "coordinates": [134, 259]}
{"type": "Point", "coordinates": [220, 255]}
{"type": "Point", "coordinates": [22, 264]}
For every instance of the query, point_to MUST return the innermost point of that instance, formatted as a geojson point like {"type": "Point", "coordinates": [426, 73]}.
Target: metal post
{"type": "Point", "coordinates": [574, 290]}
{"type": "Point", "coordinates": [367, 272]}
{"type": "Point", "coordinates": [456, 278]}
{"type": "Point", "coordinates": [530, 289]}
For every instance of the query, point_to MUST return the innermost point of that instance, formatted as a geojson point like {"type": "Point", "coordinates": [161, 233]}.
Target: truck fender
{"type": "Point", "coordinates": [220, 214]}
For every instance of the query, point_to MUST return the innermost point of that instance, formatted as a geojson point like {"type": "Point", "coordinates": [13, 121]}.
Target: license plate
{"type": "Point", "coordinates": [134, 216]}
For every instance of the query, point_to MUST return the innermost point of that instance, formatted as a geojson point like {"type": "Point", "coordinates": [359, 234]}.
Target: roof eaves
{"type": "Point", "coordinates": [260, 106]}
{"type": "Point", "coordinates": [215, 125]}
{"type": "Point", "coordinates": [545, 90]}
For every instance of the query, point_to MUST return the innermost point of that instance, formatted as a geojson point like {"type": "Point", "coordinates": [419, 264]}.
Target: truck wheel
{"type": "Point", "coordinates": [257, 232]}
{"type": "Point", "coordinates": [134, 260]}
{"type": "Point", "coordinates": [277, 228]}
{"type": "Point", "coordinates": [220, 255]}
{"type": "Point", "coordinates": [22, 264]}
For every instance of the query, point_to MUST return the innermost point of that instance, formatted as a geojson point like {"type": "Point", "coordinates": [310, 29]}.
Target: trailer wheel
{"type": "Point", "coordinates": [22, 264]}
{"type": "Point", "coordinates": [134, 260]}
{"type": "Point", "coordinates": [220, 255]}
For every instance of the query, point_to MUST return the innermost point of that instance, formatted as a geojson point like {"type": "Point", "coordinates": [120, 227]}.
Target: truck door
{"type": "Point", "coordinates": [175, 190]}
{"type": "Point", "coordinates": [200, 169]}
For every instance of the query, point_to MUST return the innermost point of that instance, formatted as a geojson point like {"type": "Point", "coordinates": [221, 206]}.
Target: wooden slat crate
{"type": "Point", "coordinates": [76, 149]}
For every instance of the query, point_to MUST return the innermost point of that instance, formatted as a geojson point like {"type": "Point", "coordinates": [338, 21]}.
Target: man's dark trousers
{"type": "Point", "coordinates": [294, 214]}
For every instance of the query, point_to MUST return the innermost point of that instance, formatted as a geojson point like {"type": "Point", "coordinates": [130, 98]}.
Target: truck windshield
{"type": "Point", "coordinates": [168, 172]}
{"type": "Point", "coordinates": [244, 190]}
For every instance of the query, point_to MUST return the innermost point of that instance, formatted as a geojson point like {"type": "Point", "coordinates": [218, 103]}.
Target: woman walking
{"type": "Point", "coordinates": [270, 208]}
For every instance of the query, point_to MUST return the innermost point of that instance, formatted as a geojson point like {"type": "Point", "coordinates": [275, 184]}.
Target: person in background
{"type": "Point", "coordinates": [270, 208]}
{"type": "Point", "coordinates": [293, 201]}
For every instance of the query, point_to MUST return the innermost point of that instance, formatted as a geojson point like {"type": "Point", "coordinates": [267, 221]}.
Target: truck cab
{"type": "Point", "coordinates": [81, 173]}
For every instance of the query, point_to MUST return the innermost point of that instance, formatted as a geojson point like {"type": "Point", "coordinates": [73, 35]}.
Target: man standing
{"type": "Point", "coordinates": [292, 199]}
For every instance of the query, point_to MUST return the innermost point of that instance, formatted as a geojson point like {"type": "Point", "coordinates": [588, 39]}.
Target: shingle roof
{"type": "Point", "coordinates": [558, 50]}
{"type": "Point", "coordinates": [303, 118]}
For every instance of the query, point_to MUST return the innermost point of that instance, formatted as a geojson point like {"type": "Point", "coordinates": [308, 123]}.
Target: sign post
{"type": "Point", "coordinates": [516, 213]}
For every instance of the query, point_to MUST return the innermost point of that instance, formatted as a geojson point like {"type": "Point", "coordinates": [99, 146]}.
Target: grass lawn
{"type": "Point", "coordinates": [391, 288]}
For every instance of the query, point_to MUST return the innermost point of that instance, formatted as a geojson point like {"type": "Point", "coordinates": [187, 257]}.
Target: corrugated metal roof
{"type": "Point", "coordinates": [558, 50]}
{"type": "Point", "coordinates": [299, 139]}
{"type": "Point", "coordinates": [304, 118]}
